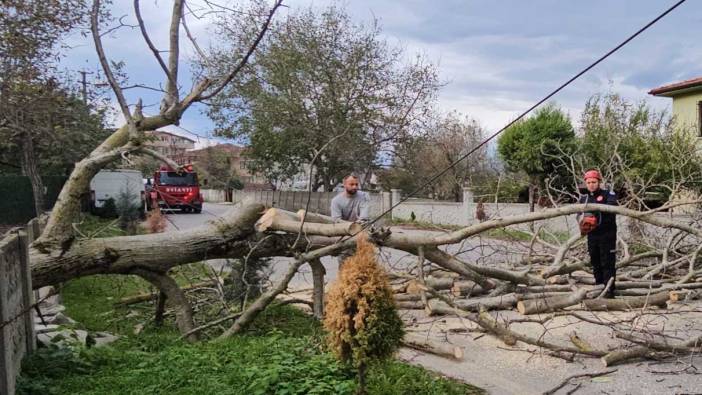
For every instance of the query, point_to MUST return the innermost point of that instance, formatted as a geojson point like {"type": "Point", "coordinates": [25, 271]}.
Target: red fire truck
{"type": "Point", "coordinates": [175, 189]}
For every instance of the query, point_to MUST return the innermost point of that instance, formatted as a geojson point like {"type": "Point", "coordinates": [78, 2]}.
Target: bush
{"type": "Point", "coordinates": [128, 212]}
{"type": "Point", "coordinates": [155, 221]}
{"type": "Point", "coordinates": [361, 316]}
{"type": "Point", "coordinates": [246, 280]}
{"type": "Point", "coordinates": [108, 209]}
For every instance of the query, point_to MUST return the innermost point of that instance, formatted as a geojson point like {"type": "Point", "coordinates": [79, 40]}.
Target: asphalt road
{"type": "Point", "coordinates": [182, 221]}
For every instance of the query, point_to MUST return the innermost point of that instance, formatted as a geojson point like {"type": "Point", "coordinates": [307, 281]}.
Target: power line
{"type": "Point", "coordinates": [522, 115]}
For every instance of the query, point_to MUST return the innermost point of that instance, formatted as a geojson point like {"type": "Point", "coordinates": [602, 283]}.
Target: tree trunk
{"type": "Point", "coordinates": [318, 273]}
{"type": "Point", "coordinates": [326, 181]}
{"type": "Point", "coordinates": [30, 169]}
{"type": "Point", "coordinates": [225, 238]}
{"type": "Point", "coordinates": [361, 379]}
{"type": "Point", "coordinates": [176, 296]}
{"type": "Point", "coordinates": [160, 308]}
{"type": "Point", "coordinates": [457, 193]}
{"type": "Point", "coordinates": [532, 193]}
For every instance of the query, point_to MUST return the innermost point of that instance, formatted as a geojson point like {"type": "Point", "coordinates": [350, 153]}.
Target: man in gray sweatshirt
{"type": "Point", "coordinates": [350, 205]}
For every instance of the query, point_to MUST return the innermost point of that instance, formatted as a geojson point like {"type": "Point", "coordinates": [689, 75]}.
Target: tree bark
{"type": "Point", "coordinates": [226, 238]}
{"type": "Point", "coordinates": [554, 303]}
{"type": "Point", "coordinates": [276, 219]}
{"type": "Point", "coordinates": [423, 343]}
{"type": "Point", "coordinates": [31, 170]}
{"type": "Point", "coordinates": [160, 308]}
{"type": "Point", "coordinates": [176, 296]}
{"type": "Point", "coordinates": [658, 299]}
{"type": "Point", "coordinates": [318, 273]}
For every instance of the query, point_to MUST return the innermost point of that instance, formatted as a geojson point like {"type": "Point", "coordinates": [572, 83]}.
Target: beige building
{"type": "Point", "coordinates": [171, 145]}
{"type": "Point", "coordinates": [687, 103]}
{"type": "Point", "coordinates": [238, 163]}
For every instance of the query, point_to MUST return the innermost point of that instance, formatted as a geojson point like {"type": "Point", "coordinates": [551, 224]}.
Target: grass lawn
{"type": "Point", "coordinates": [282, 353]}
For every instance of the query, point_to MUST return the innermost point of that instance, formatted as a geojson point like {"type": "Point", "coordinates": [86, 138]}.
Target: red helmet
{"type": "Point", "coordinates": [592, 174]}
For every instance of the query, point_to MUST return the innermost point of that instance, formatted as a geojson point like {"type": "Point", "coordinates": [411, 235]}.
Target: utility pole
{"type": "Point", "coordinates": [84, 82]}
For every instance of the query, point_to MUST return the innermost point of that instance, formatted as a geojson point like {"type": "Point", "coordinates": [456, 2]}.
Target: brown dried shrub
{"type": "Point", "coordinates": [361, 317]}
{"type": "Point", "coordinates": [155, 221]}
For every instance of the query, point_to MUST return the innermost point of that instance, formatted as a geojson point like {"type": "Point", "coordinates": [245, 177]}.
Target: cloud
{"type": "Point", "coordinates": [497, 57]}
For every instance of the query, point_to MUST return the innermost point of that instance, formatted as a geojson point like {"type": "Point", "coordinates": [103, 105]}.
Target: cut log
{"type": "Point", "coordinates": [423, 343]}
{"type": "Point", "coordinates": [276, 219]}
{"type": "Point", "coordinates": [677, 296]}
{"type": "Point", "coordinates": [664, 287]}
{"type": "Point", "coordinates": [551, 304]}
{"type": "Point", "coordinates": [589, 280]}
{"type": "Point", "coordinates": [535, 289]}
{"type": "Point", "coordinates": [402, 297]}
{"type": "Point", "coordinates": [399, 288]}
{"type": "Point", "coordinates": [410, 305]}
{"type": "Point", "coordinates": [502, 332]}
{"type": "Point", "coordinates": [438, 284]}
{"type": "Point", "coordinates": [501, 302]}
{"type": "Point", "coordinates": [617, 356]}
{"type": "Point", "coordinates": [451, 263]}
{"type": "Point", "coordinates": [439, 273]}
{"type": "Point", "coordinates": [314, 217]}
{"type": "Point", "coordinates": [659, 299]}
{"type": "Point", "coordinates": [408, 297]}
{"type": "Point", "coordinates": [439, 307]}
{"type": "Point", "coordinates": [580, 343]}
{"type": "Point", "coordinates": [639, 284]}
{"type": "Point", "coordinates": [466, 288]}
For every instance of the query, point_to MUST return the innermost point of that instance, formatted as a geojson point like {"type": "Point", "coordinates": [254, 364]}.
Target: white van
{"type": "Point", "coordinates": [112, 183]}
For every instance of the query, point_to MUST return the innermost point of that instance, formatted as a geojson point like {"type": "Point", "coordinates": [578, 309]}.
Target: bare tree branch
{"type": "Point", "coordinates": [246, 57]}
{"type": "Point", "coordinates": [173, 56]}
{"type": "Point", "coordinates": [145, 34]}
{"type": "Point", "coordinates": [95, 29]}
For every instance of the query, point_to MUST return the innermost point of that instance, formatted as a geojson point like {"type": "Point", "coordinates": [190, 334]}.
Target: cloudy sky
{"type": "Point", "coordinates": [497, 57]}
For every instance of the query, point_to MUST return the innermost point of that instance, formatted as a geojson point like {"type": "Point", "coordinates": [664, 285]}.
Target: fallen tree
{"type": "Point", "coordinates": [542, 285]}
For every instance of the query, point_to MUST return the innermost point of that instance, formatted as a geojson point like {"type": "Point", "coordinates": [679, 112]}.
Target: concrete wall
{"type": "Point", "coordinates": [464, 213]}
{"type": "Point", "coordinates": [437, 212]}
{"type": "Point", "coordinates": [319, 202]}
{"type": "Point", "coordinates": [16, 298]}
{"type": "Point", "coordinates": [213, 195]}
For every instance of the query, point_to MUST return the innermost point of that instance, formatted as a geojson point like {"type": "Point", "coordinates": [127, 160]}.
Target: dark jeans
{"type": "Point", "coordinates": [603, 257]}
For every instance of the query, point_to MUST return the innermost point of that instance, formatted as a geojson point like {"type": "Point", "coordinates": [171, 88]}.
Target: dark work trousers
{"type": "Point", "coordinates": [603, 256]}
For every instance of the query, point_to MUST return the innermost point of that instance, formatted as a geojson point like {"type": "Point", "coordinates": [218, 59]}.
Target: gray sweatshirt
{"type": "Point", "coordinates": [351, 208]}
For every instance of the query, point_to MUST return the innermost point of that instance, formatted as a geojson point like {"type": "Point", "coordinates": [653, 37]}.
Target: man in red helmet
{"type": "Point", "coordinates": [601, 230]}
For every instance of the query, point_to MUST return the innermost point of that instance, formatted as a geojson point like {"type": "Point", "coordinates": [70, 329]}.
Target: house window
{"type": "Point", "coordinates": [699, 118]}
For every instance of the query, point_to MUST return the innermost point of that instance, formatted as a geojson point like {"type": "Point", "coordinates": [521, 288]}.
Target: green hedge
{"type": "Point", "coordinates": [17, 200]}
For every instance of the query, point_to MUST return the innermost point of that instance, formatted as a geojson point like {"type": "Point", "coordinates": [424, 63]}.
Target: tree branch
{"type": "Point", "coordinates": [95, 29]}
{"type": "Point", "coordinates": [173, 56]}
{"type": "Point", "coordinates": [145, 34]}
{"type": "Point", "coordinates": [245, 59]}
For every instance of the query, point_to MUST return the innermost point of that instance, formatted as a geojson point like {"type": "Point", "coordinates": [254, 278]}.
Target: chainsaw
{"type": "Point", "coordinates": [588, 223]}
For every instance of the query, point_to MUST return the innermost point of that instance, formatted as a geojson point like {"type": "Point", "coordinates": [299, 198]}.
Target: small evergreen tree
{"type": "Point", "coordinates": [127, 211]}
{"type": "Point", "coordinates": [246, 280]}
{"type": "Point", "coordinates": [361, 317]}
